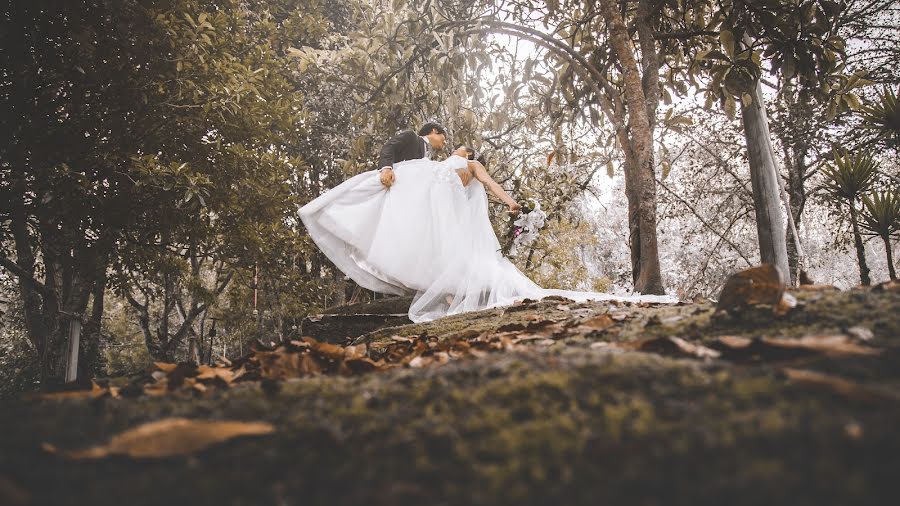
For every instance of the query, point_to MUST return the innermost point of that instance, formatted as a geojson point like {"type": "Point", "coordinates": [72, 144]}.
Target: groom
{"type": "Point", "coordinates": [407, 145]}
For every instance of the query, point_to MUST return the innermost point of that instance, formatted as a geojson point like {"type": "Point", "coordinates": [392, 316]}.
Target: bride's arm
{"type": "Point", "coordinates": [482, 175]}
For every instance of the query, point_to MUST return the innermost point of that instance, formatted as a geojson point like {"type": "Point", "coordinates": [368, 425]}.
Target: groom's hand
{"type": "Point", "coordinates": [387, 176]}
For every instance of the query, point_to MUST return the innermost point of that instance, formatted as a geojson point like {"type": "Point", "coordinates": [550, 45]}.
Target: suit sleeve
{"type": "Point", "coordinates": [390, 149]}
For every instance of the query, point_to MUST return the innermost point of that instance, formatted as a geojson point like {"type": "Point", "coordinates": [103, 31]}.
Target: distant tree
{"type": "Point", "coordinates": [143, 138]}
{"type": "Point", "coordinates": [848, 179]}
{"type": "Point", "coordinates": [881, 218]}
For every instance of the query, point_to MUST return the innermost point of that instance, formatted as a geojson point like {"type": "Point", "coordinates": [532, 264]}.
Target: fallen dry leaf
{"type": "Point", "coordinates": [282, 364]}
{"type": "Point", "coordinates": [165, 366]}
{"type": "Point", "coordinates": [156, 389]}
{"type": "Point", "coordinates": [528, 337]}
{"type": "Point", "coordinates": [601, 322]}
{"type": "Point", "coordinates": [359, 365]}
{"type": "Point", "coordinates": [355, 352]}
{"type": "Point", "coordinates": [829, 345]}
{"type": "Point", "coordinates": [673, 345]}
{"type": "Point", "coordinates": [841, 386]}
{"type": "Point", "coordinates": [784, 348]}
{"type": "Point", "coordinates": [95, 392]}
{"type": "Point", "coordinates": [327, 350]}
{"type": "Point", "coordinates": [169, 437]}
{"type": "Point", "coordinates": [223, 373]}
{"type": "Point", "coordinates": [735, 341]}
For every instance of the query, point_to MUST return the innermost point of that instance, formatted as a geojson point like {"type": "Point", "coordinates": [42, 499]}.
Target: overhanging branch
{"type": "Point", "coordinates": [25, 276]}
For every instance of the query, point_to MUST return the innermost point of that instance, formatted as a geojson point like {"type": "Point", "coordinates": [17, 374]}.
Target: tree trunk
{"type": "Point", "coordinates": [91, 360]}
{"type": "Point", "coordinates": [795, 131]}
{"type": "Point", "coordinates": [54, 357]}
{"type": "Point", "coordinates": [763, 177]}
{"type": "Point", "coordinates": [796, 197]}
{"type": "Point", "coordinates": [860, 248]}
{"type": "Point", "coordinates": [793, 256]}
{"type": "Point", "coordinates": [890, 258]}
{"type": "Point", "coordinates": [795, 163]}
{"type": "Point", "coordinates": [634, 217]}
{"type": "Point", "coordinates": [649, 280]}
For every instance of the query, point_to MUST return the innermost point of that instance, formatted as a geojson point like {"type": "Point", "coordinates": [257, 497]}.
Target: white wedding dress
{"type": "Point", "coordinates": [428, 236]}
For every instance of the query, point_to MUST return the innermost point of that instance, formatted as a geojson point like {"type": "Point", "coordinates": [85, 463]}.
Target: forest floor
{"type": "Point", "coordinates": [544, 402]}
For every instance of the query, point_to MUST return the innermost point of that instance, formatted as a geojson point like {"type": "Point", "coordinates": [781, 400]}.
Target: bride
{"type": "Point", "coordinates": [428, 234]}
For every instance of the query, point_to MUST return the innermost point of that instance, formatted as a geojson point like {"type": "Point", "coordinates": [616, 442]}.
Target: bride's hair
{"type": "Point", "coordinates": [472, 154]}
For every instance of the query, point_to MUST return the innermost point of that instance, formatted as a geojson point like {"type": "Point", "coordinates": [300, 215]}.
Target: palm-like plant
{"type": "Point", "coordinates": [884, 115]}
{"type": "Point", "coordinates": [847, 179]}
{"type": "Point", "coordinates": [881, 217]}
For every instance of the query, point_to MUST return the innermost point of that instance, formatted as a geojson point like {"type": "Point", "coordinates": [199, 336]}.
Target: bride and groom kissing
{"type": "Point", "coordinates": [421, 227]}
{"type": "Point", "coordinates": [431, 138]}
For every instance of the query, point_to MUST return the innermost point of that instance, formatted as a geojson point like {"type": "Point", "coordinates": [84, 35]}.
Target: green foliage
{"type": "Point", "coordinates": [19, 365]}
{"type": "Point", "coordinates": [558, 259]}
{"type": "Point", "coordinates": [847, 179]}
{"type": "Point", "coordinates": [881, 213]}
{"type": "Point", "coordinates": [799, 41]}
{"type": "Point", "coordinates": [849, 176]}
{"type": "Point", "coordinates": [152, 146]}
{"type": "Point", "coordinates": [881, 217]}
{"type": "Point", "coordinates": [238, 106]}
{"type": "Point", "coordinates": [884, 115]}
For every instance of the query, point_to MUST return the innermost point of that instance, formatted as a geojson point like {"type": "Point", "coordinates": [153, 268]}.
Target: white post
{"type": "Point", "coordinates": [72, 352]}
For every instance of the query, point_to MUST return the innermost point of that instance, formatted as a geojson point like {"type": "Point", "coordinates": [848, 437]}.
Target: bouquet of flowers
{"type": "Point", "coordinates": [523, 230]}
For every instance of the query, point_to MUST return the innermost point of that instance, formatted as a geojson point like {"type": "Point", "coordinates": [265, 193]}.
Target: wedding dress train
{"type": "Point", "coordinates": [428, 236]}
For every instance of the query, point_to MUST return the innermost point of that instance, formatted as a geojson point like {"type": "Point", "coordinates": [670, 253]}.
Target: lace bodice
{"type": "Point", "coordinates": [446, 171]}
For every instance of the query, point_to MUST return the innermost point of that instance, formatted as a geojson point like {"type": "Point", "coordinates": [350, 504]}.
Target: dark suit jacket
{"type": "Point", "coordinates": [405, 145]}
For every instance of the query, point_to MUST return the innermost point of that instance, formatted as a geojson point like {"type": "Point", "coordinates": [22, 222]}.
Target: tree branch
{"type": "Point", "coordinates": [25, 276]}
{"type": "Point", "coordinates": [704, 222]}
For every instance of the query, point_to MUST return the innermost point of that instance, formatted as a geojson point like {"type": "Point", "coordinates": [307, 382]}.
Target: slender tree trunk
{"type": "Point", "coordinates": [794, 133]}
{"type": "Point", "coordinates": [649, 280]}
{"type": "Point", "coordinates": [860, 248]}
{"type": "Point", "coordinates": [763, 177]}
{"type": "Point", "coordinates": [890, 257]}
{"type": "Point", "coordinates": [795, 162]}
{"type": "Point", "coordinates": [90, 362]}
{"type": "Point", "coordinates": [634, 210]}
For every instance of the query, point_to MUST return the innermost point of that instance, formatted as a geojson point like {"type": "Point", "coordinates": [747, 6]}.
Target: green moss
{"type": "Point", "coordinates": [566, 424]}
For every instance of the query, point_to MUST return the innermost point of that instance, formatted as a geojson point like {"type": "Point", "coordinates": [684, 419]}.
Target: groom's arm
{"type": "Point", "coordinates": [389, 153]}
